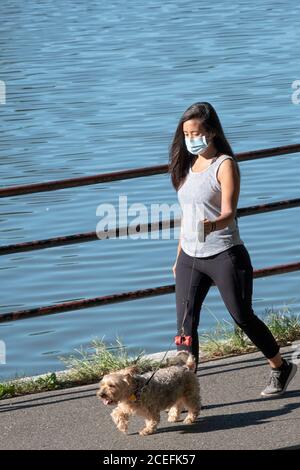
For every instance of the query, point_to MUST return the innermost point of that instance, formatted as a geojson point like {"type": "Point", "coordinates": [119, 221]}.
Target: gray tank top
{"type": "Point", "coordinates": [199, 198]}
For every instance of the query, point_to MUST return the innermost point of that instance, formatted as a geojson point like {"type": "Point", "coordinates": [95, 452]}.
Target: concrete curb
{"type": "Point", "coordinates": [62, 373]}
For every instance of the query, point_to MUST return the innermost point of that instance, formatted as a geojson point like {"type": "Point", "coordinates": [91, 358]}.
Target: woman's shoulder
{"type": "Point", "coordinates": [220, 158]}
{"type": "Point", "coordinates": [223, 156]}
{"type": "Point", "coordinates": [230, 166]}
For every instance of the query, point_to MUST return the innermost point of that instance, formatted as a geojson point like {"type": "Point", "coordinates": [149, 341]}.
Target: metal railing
{"type": "Point", "coordinates": [159, 225]}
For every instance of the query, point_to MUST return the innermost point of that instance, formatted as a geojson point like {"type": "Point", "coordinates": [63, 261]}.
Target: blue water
{"type": "Point", "coordinates": [99, 86]}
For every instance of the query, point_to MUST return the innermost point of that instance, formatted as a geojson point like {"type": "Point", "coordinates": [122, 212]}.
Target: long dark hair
{"type": "Point", "coordinates": [179, 158]}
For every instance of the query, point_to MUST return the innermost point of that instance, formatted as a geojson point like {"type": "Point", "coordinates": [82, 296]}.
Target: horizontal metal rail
{"type": "Point", "coordinates": [140, 228]}
{"type": "Point", "coordinates": [134, 173]}
{"type": "Point", "coordinates": [160, 225]}
{"type": "Point", "coordinates": [125, 296]}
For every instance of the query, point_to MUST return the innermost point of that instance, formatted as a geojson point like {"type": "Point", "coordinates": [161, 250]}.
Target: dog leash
{"type": "Point", "coordinates": [182, 333]}
{"type": "Point", "coordinates": [180, 339]}
{"type": "Point", "coordinates": [137, 395]}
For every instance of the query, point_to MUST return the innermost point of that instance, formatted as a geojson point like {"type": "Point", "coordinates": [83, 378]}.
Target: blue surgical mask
{"type": "Point", "coordinates": [196, 144]}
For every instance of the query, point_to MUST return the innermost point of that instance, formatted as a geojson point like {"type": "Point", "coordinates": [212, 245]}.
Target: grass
{"type": "Point", "coordinates": [20, 387]}
{"type": "Point", "coordinates": [88, 367]}
{"type": "Point", "coordinates": [226, 340]}
{"type": "Point", "coordinates": [84, 368]}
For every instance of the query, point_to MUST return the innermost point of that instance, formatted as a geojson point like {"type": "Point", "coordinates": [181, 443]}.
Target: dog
{"type": "Point", "coordinates": [175, 386]}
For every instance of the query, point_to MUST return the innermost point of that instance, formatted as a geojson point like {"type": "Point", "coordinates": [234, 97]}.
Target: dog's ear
{"type": "Point", "coordinates": [128, 379]}
{"type": "Point", "coordinates": [128, 373]}
{"type": "Point", "coordinates": [131, 370]}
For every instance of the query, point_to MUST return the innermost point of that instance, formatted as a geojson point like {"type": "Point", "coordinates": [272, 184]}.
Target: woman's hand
{"type": "Point", "coordinates": [174, 269]}
{"type": "Point", "coordinates": [207, 226]}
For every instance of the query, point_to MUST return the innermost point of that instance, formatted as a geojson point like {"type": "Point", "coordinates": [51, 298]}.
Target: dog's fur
{"type": "Point", "coordinates": [182, 358]}
{"type": "Point", "coordinates": [175, 386]}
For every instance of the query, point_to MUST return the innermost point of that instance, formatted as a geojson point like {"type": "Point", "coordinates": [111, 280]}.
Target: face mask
{"type": "Point", "coordinates": [196, 144]}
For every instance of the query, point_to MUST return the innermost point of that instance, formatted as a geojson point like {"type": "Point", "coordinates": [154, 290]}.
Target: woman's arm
{"type": "Point", "coordinates": [178, 251]}
{"type": "Point", "coordinates": [230, 189]}
{"type": "Point", "coordinates": [179, 241]}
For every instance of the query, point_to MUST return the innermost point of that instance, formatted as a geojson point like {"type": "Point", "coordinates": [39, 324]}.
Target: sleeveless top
{"type": "Point", "coordinates": [199, 198]}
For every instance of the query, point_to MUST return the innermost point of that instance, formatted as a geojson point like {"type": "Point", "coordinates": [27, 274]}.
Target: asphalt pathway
{"type": "Point", "coordinates": [234, 416]}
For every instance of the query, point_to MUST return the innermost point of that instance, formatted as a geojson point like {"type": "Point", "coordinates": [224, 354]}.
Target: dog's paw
{"type": "Point", "coordinates": [190, 419]}
{"type": "Point", "coordinates": [173, 419]}
{"type": "Point", "coordinates": [174, 415]}
{"type": "Point", "coordinates": [123, 429]}
{"type": "Point", "coordinates": [146, 432]}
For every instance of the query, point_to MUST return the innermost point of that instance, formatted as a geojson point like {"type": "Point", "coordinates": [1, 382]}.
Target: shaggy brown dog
{"type": "Point", "coordinates": [174, 387]}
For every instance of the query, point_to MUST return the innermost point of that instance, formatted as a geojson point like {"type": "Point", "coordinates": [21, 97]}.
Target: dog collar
{"type": "Point", "coordinates": [136, 395]}
{"type": "Point", "coordinates": [133, 397]}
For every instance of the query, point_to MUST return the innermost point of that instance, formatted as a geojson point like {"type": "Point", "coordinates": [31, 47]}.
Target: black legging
{"type": "Point", "coordinates": [232, 272]}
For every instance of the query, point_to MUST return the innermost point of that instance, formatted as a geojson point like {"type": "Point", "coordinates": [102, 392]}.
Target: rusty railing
{"type": "Point", "coordinates": [160, 225]}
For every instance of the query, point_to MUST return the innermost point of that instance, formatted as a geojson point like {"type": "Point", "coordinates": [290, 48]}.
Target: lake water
{"type": "Point", "coordinates": [98, 86]}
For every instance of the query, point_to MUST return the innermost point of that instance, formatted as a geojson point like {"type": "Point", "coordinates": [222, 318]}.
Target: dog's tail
{"type": "Point", "coordinates": [183, 358]}
{"type": "Point", "coordinates": [190, 362]}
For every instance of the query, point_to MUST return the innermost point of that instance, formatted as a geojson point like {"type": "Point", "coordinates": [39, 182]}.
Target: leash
{"type": "Point", "coordinates": [137, 395]}
{"type": "Point", "coordinates": [186, 339]}
{"type": "Point", "coordinates": [182, 338]}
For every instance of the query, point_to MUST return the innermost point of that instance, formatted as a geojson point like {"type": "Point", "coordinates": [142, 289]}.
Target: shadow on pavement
{"type": "Point", "coordinates": [230, 421]}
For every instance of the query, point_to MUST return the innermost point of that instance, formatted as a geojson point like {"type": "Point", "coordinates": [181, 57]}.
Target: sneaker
{"type": "Point", "coordinates": [279, 380]}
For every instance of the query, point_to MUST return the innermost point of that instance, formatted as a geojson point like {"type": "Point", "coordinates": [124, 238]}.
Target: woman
{"type": "Point", "coordinates": [206, 176]}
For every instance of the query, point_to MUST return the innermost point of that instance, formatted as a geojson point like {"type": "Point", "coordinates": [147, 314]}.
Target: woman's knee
{"type": "Point", "coordinates": [247, 319]}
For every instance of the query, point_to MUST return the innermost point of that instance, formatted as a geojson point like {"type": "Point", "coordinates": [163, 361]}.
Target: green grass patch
{"type": "Point", "coordinates": [20, 387]}
{"type": "Point", "coordinates": [225, 340]}
{"type": "Point", "coordinates": [89, 367]}
{"type": "Point", "coordinates": [82, 368]}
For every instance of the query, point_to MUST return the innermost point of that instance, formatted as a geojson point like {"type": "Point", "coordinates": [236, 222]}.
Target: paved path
{"type": "Point", "coordinates": [233, 417]}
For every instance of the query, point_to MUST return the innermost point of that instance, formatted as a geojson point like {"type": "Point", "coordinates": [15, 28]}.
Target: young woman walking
{"type": "Point", "coordinates": [206, 176]}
